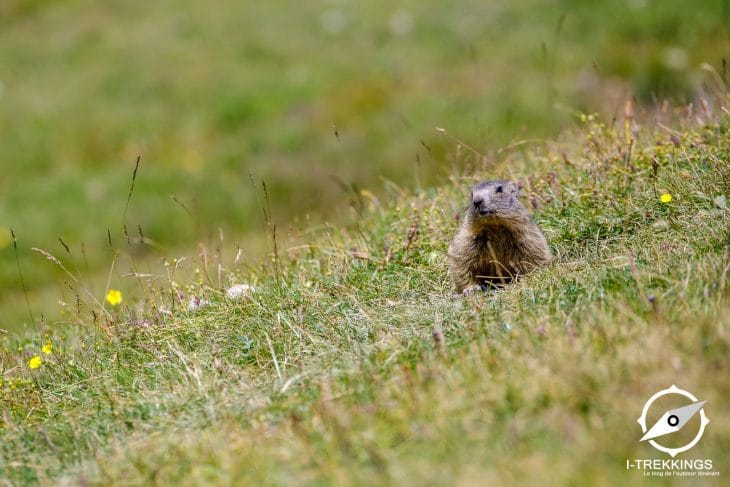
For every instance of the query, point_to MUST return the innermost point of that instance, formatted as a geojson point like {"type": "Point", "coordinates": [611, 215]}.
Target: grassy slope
{"type": "Point", "coordinates": [207, 92]}
{"type": "Point", "coordinates": [332, 371]}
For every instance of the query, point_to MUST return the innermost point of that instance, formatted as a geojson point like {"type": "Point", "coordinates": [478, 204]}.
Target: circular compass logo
{"type": "Point", "coordinates": [673, 420]}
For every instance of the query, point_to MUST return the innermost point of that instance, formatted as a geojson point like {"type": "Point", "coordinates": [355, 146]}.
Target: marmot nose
{"type": "Point", "coordinates": [478, 202]}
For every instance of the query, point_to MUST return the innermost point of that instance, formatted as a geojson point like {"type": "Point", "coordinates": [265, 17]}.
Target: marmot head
{"type": "Point", "coordinates": [495, 202]}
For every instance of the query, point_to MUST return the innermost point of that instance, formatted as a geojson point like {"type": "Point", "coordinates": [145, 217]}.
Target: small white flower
{"type": "Point", "coordinates": [239, 291]}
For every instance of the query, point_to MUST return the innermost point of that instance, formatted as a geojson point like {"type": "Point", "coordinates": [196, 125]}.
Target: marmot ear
{"type": "Point", "coordinates": [513, 188]}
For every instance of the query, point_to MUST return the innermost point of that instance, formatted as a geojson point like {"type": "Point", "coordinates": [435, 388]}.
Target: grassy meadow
{"type": "Point", "coordinates": [321, 152]}
{"type": "Point", "coordinates": [211, 93]}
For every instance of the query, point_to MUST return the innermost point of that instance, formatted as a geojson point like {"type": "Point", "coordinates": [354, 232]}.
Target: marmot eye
{"type": "Point", "coordinates": [499, 189]}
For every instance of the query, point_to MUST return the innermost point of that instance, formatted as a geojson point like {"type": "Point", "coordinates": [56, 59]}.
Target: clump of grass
{"type": "Point", "coordinates": [352, 362]}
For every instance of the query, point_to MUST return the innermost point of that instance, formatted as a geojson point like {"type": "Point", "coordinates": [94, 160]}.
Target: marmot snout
{"type": "Point", "coordinates": [496, 241]}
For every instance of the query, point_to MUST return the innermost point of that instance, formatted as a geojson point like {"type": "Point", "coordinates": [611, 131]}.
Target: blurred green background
{"type": "Point", "coordinates": [210, 92]}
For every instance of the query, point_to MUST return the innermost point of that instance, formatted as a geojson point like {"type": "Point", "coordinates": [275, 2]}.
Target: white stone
{"type": "Point", "coordinates": [239, 291]}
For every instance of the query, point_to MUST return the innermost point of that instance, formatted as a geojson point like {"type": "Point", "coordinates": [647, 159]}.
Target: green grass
{"type": "Point", "coordinates": [353, 363]}
{"type": "Point", "coordinates": [207, 93]}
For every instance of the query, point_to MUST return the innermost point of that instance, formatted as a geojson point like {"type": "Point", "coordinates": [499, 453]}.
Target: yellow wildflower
{"type": "Point", "coordinates": [665, 198]}
{"type": "Point", "coordinates": [47, 348]}
{"type": "Point", "coordinates": [114, 297]}
{"type": "Point", "coordinates": [35, 362]}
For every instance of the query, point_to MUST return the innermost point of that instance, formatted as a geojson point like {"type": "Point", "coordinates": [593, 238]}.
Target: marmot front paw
{"type": "Point", "coordinates": [469, 290]}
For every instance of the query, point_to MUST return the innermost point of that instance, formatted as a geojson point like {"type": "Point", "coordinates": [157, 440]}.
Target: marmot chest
{"type": "Point", "coordinates": [497, 245]}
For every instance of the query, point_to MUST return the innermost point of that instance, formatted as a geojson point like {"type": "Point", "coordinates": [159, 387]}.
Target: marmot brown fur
{"type": "Point", "coordinates": [496, 241]}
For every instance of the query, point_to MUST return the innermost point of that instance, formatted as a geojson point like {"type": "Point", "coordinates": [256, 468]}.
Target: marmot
{"type": "Point", "coordinates": [496, 241]}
